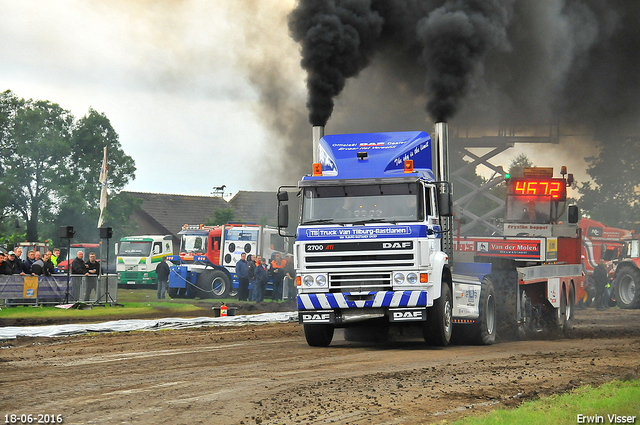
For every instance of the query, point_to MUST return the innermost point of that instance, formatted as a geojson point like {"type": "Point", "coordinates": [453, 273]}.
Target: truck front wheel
{"type": "Point", "coordinates": [213, 284]}
{"type": "Point", "coordinates": [627, 285]}
{"type": "Point", "coordinates": [318, 335]}
{"type": "Point", "coordinates": [173, 292]}
{"type": "Point", "coordinates": [437, 329]}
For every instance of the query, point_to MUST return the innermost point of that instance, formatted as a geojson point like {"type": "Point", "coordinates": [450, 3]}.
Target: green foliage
{"type": "Point", "coordinates": [221, 216]}
{"type": "Point", "coordinates": [615, 397]}
{"type": "Point", "coordinates": [50, 165]}
{"type": "Point", "coordinates": [263, 221]}
{"type": "Point", "coordinates": [518, 164]}
{"type": "Point", "coordinates": [613, 197]}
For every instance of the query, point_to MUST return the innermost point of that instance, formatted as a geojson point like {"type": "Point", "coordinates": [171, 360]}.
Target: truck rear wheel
{"type": "Point", "coordinates": [437, 329]}
{"type": "Point", "coordinates": [569, 311]}
{"type": "Point", "coordinates": [483, 331]}
{"type": "Point", "coordinates": [627, 287]}
{"type": "Point", "coordinates": [555, 318]}
{"type": "Point", "coordinates": [318, 335]}
{"type": "Point", "coordinates": [213, 284]}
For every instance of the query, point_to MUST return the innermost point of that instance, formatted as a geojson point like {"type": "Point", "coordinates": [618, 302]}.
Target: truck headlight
{"type": "Point", "coordinates": [321, 280]}
{"type": "Point", "coordinates": [308, 280]}
{"type": "Point", "coordinates": [412, 278]}
{"type": "Point", "coordinates": [398, 278]}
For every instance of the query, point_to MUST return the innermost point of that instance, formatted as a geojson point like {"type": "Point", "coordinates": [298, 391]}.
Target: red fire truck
{"type": "Point", "coordinates": [536, 266]}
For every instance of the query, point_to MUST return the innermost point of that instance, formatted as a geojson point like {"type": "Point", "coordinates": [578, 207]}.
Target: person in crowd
{"type": "Point", "coordinates": [243, 277]}
{"type": "Point", "coordinates": [37, 268]}
{"type": "Point", "coordinates": [251, 274]}
{"type": "Point", "coordinates": [13, 264]}
{"type": "Point", "coordinates": [256, 291]}
{"type": "Point", "coordinates": [162, 271]}
{"type": "Point", "coordinates": [49, 268]}
{"type": "Point", "coordinates": [262, 277]}
{"type": "Point", "coordinates": [54, 257]}
{"type": "Point", "coordinates": [5, 268]}
{"type": "Point", "coordinates": [38, 255]}
{"type": "Point", "coordinates": [31, 258]}
{"type": "Point", "coordinates": [93, 271]}
{"type": "Point", "coordinates": [290, 277]}
{"type": "Point", "coordinates": [600, 279]}
{"type": "Point", "coordinates": [277, 273]}
{"type": "Point", "coordinates": [21, 267]}
{"type": "Point", "coordinates": [78, 266]}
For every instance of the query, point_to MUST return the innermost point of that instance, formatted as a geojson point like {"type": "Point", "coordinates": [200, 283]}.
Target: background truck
{"type": "Point", "coordinates": [138, 256]}
{"type": "Point", "coordinates": [74, 248]}
{"type": "Point", "coordinates": [375, 246]}
{"type": "Point", "coordinates": [601, 242]}
{"type": "Point", "coordinates": [205, 266]}
{"type": "Point", "coordinates": [626, 284]}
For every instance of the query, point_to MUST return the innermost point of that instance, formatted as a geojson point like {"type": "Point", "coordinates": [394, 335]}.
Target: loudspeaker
{"type": "Point", "coordinates": [106, 232]}
{"type": "Point", "coordinates": [66, 232]}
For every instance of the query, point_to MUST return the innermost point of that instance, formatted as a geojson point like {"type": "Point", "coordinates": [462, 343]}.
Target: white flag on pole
{"type": "Point", "coordinates": [103, 182]}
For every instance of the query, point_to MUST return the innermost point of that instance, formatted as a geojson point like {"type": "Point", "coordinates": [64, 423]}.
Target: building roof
{"type": "Point", "coordinates": [252, 206]}
{"type": "Point", "coordinates": [171, 211]}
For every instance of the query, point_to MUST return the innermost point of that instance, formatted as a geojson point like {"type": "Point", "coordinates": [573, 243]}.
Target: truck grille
{"type": "Point", "coordinates": [360, 260]}
{"type": "Point", "coordinates": [360, 282]}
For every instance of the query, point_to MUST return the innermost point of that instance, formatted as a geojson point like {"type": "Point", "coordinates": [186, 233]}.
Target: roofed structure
{"type": "Point", "coordinates": [162, 213]}
{"type": "Point", "coordinates": [253, 206]}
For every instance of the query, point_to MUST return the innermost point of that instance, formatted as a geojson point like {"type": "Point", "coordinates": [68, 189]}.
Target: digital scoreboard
{"type": "Point", "coordinates": [555, 188]}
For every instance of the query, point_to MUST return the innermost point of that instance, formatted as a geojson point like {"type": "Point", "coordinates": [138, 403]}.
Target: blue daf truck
{"type": "Point", "coordinates": [374, 243]}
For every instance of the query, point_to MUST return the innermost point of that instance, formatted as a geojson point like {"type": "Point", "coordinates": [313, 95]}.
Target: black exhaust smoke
{"type": "Point", "coordinates": [339, 38]}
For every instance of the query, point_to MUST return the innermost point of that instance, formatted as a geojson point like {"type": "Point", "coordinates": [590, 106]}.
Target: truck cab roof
{"type": "Point", "coordinates": [374, 155]}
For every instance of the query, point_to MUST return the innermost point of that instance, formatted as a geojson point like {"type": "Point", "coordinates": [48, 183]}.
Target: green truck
{"type": "Point", "coordinates": [138, 257]}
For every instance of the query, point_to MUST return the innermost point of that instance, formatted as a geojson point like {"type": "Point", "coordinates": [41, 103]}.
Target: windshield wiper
{"type": "Point", "coordinates": [320, 220]}
{"type": "Point", "coordinates": [371, 220]}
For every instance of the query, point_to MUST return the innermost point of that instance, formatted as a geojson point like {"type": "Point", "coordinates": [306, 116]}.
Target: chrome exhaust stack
{"type": "Point", "coordinates": [318, 133]}
{"type": "Point", "coordinates": [440, 152]}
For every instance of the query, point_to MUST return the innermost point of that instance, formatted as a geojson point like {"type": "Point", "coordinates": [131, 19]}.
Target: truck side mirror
{"type": "Point", "coordinates": [573, 214]}
{"type": "Point", "coordinates": [444, 204]}
{"type": "Point", "coordinates": [283, 196]}
{"type": "Point", "coordinates": [283, 215]}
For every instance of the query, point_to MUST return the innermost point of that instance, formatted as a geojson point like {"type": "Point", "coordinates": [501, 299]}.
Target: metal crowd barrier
{"type": "Point", "coordinates": [38, 290]}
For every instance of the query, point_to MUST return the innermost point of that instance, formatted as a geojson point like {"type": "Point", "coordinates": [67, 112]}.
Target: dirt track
{"type": "Point", "coordinates": [267, 374]}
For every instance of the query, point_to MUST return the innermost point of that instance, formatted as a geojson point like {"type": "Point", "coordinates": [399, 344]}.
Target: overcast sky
{"type": "Point", "coordinates": [165, 73]}
{"type": "Point", "coordinates": [188, 85]}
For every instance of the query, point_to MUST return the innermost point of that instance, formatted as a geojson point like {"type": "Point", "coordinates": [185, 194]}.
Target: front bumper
{"type": "Point", "coordinates": [391, 299]}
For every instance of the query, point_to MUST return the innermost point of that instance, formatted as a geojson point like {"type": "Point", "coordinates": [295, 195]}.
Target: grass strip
{"type": "Point", "coordinates": [596, 405]}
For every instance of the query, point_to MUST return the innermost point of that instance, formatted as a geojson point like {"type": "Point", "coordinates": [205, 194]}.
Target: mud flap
{"type": "Point", "coordinates": [317, 316]}
{"type": "Point", "coordinates": [418, 314]}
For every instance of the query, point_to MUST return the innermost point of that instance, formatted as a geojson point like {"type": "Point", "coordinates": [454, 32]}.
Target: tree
{"type": "Point", "coordinates": [613, 197]}
{"type": "Point", "coordinates": [518, 164]}
{"type": "Point", "coordinates": [221, 216]}
{"type": "Point", "coordinates": [50, 164]}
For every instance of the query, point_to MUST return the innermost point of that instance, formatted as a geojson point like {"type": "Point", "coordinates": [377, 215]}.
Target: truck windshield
{"type": "Point", "coordinates": [363, 203]}
{"type": "Point", "coordinates": [194, 243]}
{"type": "Point", "coordinates": [529, 209]}
{"type": "Point", "coordinates": [134, 249]}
